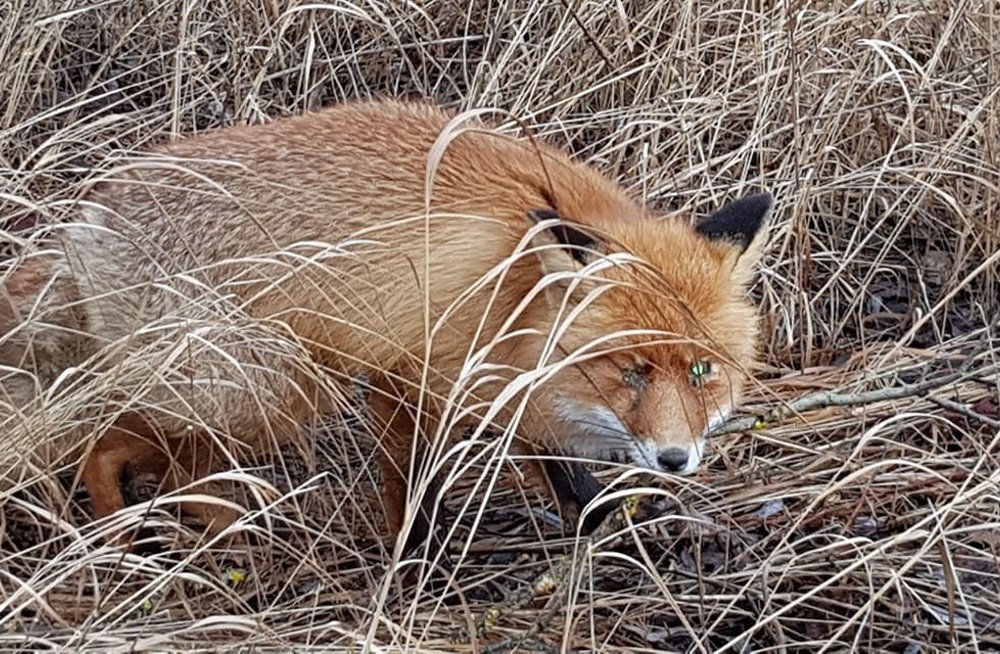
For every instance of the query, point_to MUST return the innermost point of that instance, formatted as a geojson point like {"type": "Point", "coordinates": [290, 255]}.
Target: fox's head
{"type": "Point", "coordinates": [658, 330]}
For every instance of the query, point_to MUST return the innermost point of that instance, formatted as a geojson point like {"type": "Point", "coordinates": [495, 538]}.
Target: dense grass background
{"type": "Point", "coordinates": [876, 125]}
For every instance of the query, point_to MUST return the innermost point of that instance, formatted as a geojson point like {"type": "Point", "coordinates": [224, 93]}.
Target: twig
{"type": "Point", "coordinates": [960, 408]}
{"type": "Point", "coordinates": [825, 399]}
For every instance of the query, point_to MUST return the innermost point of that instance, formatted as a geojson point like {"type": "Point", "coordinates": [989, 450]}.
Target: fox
{"type": "Point", "coordinates": [436, 256]}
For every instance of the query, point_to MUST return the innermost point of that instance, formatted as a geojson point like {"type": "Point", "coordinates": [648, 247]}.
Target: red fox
{"type": "Point", "coordinates": [374, 238]}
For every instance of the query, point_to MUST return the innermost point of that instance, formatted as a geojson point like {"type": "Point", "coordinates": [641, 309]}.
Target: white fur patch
{"type": "Point", "coordinates": [601, 435]}
{"type": "Point", "coordinates": [717, 418]}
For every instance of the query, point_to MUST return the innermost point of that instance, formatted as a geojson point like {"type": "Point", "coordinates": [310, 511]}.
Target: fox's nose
{"type": "Point", "coordinates": [672, 459]}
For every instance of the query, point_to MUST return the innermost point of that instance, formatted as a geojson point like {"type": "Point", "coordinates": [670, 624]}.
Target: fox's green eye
{"type": "Point", "coordinates": [700, 370]}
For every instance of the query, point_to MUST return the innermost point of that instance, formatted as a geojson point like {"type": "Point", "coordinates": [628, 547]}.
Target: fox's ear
{"type": "Point", "coordinates": [738, 224]}
{"type": "Point", "coordinates": [739, 221]}
{"type": "Point", "coordinates": [564, 246]}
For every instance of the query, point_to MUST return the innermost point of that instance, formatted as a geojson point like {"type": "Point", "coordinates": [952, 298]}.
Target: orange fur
{"type": "Point", "coordinates": [218, 206]}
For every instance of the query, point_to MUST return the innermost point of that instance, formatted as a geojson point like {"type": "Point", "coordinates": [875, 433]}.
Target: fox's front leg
{"type": "Point", "coordinates": [571, 485]}
{"type": "Point", "coordinates": [395, 431]}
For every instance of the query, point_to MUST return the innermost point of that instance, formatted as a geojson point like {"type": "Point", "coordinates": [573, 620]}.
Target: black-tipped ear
{"type": "Point", "coordinates": [739, 221]}
{"type": "Point", "coordinates": [576, 242]}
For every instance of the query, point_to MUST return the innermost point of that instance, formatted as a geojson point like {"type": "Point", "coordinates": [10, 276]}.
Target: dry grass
{"type": "Point", "coordinates": [877, 127]}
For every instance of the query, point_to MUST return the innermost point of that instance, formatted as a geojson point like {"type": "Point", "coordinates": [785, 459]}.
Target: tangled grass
{"type": "Point", "coordinates": [869, 527]}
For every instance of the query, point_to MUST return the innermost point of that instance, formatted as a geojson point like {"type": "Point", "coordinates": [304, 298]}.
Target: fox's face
{"type": "Point", "coordinates": [658, 352]}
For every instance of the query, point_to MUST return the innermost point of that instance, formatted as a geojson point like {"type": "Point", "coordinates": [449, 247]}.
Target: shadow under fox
{"type": "Point", "coordinates": [357, 240]}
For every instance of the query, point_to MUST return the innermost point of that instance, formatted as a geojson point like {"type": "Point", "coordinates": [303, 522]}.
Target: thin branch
{"type": "Point", "coordinates": [825, 399]}
{"type": "Point", "coordinates": [962, 409]}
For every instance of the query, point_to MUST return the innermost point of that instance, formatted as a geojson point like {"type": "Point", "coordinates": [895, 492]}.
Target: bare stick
{"type": "Point", "coordinates": [960, 408]}
{"type": "Point", "coordinates": [825, 399]}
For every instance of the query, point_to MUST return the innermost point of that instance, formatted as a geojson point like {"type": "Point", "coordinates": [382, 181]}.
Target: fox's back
{"type": "Point", "coordinates": [220, 206]}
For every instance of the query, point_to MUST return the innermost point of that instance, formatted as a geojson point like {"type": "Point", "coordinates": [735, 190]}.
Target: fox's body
{"type": "Point", "coordinates": [240, 220]}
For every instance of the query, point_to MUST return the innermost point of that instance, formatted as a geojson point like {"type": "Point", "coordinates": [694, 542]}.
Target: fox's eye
{"type": "Point", "coordinates": [700, 371]}
{"type": "Point", "coordinates": [636, 376]}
